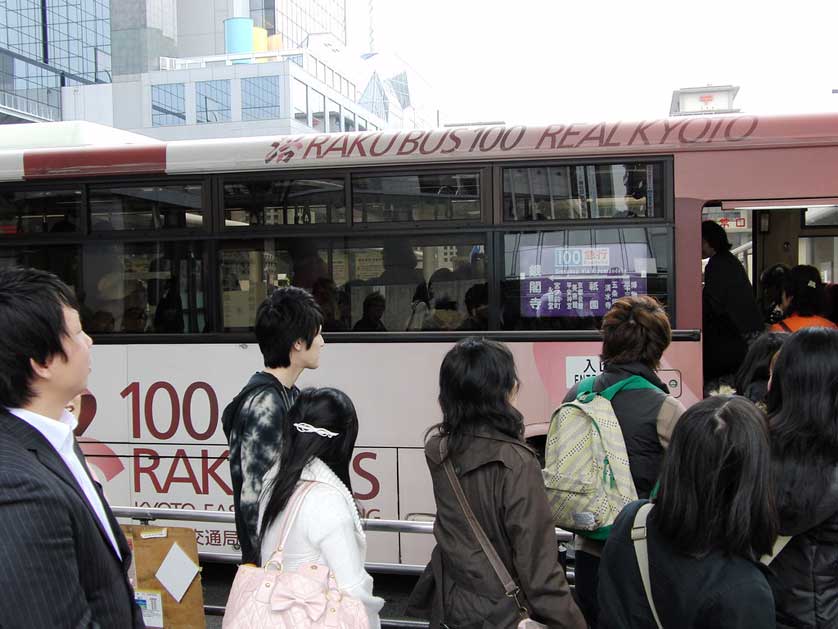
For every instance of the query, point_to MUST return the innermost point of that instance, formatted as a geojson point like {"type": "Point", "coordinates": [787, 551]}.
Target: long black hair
{"type": "Point", "coordinates": [477, 381]}
{"type": "Point", "coordinates": [326, 408]}
{"type": "Point", "coordinates": [803, 285]}
{"type": "Point", "coordinates": [803, 419]}
{"type": "Point", "coordinates": [803, 399]}
{"type": "Point", "coordinates": [715, 491]}
{"type": "Point", "coordinates": [752, 378]}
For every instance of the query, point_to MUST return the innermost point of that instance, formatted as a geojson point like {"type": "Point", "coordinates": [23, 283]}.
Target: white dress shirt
{"type": "Point", "coordinates": [59, 434]}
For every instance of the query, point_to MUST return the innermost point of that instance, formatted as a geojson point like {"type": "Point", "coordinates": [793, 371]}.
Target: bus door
{"type": "Point", "coordinates": [773, 232]}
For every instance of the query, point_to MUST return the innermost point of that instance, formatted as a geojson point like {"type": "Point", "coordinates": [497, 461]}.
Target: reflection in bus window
{"type": "Point", "coordinates": [432, 197]}
{"type": "Point", "coordinates": [146, 207]}
{"type": "Point", "coordinates": [61, 260]}
{"type": "Point", "coordinates": [569, 279]}
{"type": "Point", "coordinates": [418, 285]}
{"type": "Point", "coordinates": [251, 270]}
{"type": "Point", "coordinates": [542, 193]}
{"type": "Point", "coordinates": [39, 211]}
{"type": "Point", "coordinates": [284, 202]}
{"type": "Point", "coordinates": [392, 285]}
{"type": "Point", "coordinates": [143, 287]}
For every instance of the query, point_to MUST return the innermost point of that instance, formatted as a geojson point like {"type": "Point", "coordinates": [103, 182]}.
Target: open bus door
{"type": "Point", "coordinates": [768, 232]}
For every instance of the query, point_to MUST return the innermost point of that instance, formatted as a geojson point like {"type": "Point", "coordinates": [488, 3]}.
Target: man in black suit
{"type": "Point", "coordinates": [63, 558]}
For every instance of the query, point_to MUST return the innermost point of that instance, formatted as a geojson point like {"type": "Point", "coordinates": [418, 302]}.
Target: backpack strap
{"type": "Point", "coordinates": [785, 326]}
{"type": "Point", "coordinates": [585, 391]}
{"type": "Point", "coordinates": [629, 384]}
{"type": "Point", "coordinates": [641, 552]}
{"type": "Point", "coordinates": [780, 543]}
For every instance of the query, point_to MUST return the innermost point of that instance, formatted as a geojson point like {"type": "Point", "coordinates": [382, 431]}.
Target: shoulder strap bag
{"type": "Point", "coordinates": [510, 588]}
{"type": "Point", "coordinates": [278, 597]}
{"type": "Point", "coordinates": [641, 551]}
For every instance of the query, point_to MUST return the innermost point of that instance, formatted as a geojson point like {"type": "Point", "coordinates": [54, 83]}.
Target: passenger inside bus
{"type": "Point", "coordinates": [374, 307]}
{"type": "Point", "coordinates": [803, 300]}
{"type": "Point", "coordinates": [477, 305]}
{"type": "Point", "coordinates": [730, 314]}
{"type": "Point", "coordinates": [399, 262]}
{"type": "Point", "coordinates": [771, 300]}
{"type": "Point", "coordinates": [327, 296]}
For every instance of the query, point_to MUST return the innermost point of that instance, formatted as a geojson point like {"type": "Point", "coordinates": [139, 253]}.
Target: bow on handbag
{"type": "Point", "coordinates": [294, 590]}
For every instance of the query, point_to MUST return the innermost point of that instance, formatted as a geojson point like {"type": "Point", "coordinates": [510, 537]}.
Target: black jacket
{"type": "Point", "coordinates": [714, 592]}
{"type": "Point", "coordinates": [805, 574]}
{"type": "Point", "coordinates": [252, 423]}
{"type": "Point", "coordinates": [730, 314]}
{"type": "Point", "coordinates": [58, 568]}
{"type": "Point", "coordinates": [502, 481]}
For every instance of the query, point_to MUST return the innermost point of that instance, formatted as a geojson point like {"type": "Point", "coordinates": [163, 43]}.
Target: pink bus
{"type": "Point", "coordinates": [409, 240]}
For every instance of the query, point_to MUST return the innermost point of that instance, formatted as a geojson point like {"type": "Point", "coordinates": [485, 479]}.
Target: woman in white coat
{"type": "Point", "coordinates": [318, 439]}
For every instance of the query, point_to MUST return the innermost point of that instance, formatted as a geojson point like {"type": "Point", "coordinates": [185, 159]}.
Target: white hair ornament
{"type": "Point", "coordinates": [320, 432]}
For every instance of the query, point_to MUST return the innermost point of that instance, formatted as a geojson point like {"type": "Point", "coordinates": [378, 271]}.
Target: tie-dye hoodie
{"type": "Point", "coordinates": [252, 423]}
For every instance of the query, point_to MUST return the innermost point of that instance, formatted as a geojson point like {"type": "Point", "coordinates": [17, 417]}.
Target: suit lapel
{"type": "Point", "coordinates": [34, 441]}
{"type": "Point", "coordinates": [121, 542]}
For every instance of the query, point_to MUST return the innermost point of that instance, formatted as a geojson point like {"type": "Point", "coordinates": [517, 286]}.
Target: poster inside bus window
{"type": "Point", "coordinates": [578, 296]}
{"type": "Point", "coordinates": [556, 281]}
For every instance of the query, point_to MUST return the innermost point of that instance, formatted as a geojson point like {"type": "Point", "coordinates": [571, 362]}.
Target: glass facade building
{"type": "Point", "coordinates": [45, 45]}
{"type": "Point", "coordinates": [168, 105]}
{"type": "Point", "coordinates": [295, 20]}
{"type": "Point", "coordinates": [260, 98]}
{"type": "Point", "coordinates": [212, 101]}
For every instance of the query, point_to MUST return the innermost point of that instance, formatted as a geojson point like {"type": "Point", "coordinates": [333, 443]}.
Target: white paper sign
{"type": "Point", "coordinates": [176, 572]}
{"type": "Point", "coordinates": [580, 367]}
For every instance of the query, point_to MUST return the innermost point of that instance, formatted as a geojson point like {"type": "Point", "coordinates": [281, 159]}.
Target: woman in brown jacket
{"type": "Point", "coordinates": [502, 482]}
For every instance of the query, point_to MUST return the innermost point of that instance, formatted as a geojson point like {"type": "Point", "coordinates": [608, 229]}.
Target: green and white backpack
{"type": "Point", "coordinates": [586, 470]}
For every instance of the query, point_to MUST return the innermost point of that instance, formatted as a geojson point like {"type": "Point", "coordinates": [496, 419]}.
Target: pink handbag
{"type": "Point", "coordinates": [306, 597]}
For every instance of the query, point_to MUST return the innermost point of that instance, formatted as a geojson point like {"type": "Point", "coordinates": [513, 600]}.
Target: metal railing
{"type": "Point", "coordinates": [145, 516]}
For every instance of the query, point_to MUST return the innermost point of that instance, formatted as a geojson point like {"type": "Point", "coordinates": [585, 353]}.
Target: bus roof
{"type": "Point", "coordinates": [75, 133]}
{"type": "Point", "coordinates": [405, 146]}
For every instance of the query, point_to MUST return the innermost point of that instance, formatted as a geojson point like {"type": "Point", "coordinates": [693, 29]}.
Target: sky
{"type": "Point", "coordinates": [543, 61]}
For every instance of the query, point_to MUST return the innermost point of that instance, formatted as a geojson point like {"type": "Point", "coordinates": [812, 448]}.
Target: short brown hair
{"type": "Point", "coordinates": [636, 329]}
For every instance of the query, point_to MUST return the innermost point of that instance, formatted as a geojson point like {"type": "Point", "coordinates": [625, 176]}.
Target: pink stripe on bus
{"type": "Point", "coordinates": [88, 161]}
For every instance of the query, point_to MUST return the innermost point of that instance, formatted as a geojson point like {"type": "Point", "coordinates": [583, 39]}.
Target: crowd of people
{"type": "Point", "coordinates": [735, 522]}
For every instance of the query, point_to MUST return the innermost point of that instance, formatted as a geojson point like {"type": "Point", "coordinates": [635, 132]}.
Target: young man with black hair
{"type": "Point", "coordinates": [63, 557]}
{"type": "Point", "coordinates": [288, 329]}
